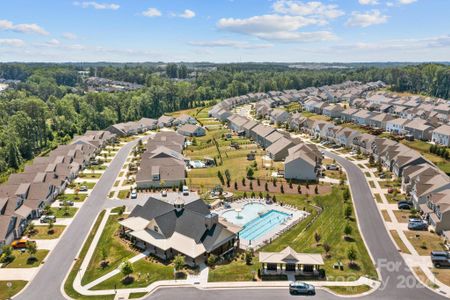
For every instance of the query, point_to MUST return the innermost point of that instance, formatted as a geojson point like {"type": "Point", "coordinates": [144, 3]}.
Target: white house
{"type": "Point", "coordinates": [441, 135]}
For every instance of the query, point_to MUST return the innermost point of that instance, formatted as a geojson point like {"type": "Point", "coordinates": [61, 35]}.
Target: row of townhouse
{"type": "Point", "coordinates": [301, 161]}
{"type": "Point", "coordinates": [162, 164]}
{"type": "Point", "coordinates": [421, 129]}
{"type": "Point", "coordinates": [427, 186]}
{"type": "Point", "coordinates": [24, 196]}
{"type": "Point", "coordinates": [144, 124]}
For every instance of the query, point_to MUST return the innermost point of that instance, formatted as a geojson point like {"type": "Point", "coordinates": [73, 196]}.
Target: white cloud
{"type": "Point", "coordinates": [313, 8]}
{"type": "Point", "coordinates": [97, 5]}
{"type": "Point", "coordinates": [187, 14]}
{"type": "Point", "coordinates": [69, 36]}
{"type": "Point", "coordinates": [281, 28]}
{"type": "Point", "coordinates": [399, 45]}
{"type": "Point", "coordinates": [22, 28]}
{"type": "Point", "coordinates": [152, 12]}
{"type": "Point", "coordinates": [406, 1]}
{"type": "Point", "coordinates": [53, 42]}
{"type": "Point", "coordinates": [368, 2]}
{"type": "Point", "coordinates": [365, 19]}
{"type": "Point", "coordinates": [12, 42]}
{"type": "Point", "coordinates": [229, 44]}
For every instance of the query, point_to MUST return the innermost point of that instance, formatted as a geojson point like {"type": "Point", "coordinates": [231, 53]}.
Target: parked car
{"type": "Point", "coordinates": [405, 204]}
{"type": "Point", "coordinates": [133, 194]}
{"type": "Point", "coordinates": [66, 203]}
{"type": "Point", "coordinates": [83, 188]}
{"type": "Point", "coordinates": [332, 167]}
{"type": "Point", "coordinates": [47, 218]}
{"type": "Point", "coordinates": [440, 258]}
{"type": "Point", "coordinates": [417, 225]}
{"type": "Point", "coordinates": [390, 190]}
{"type": "Point", "coordinates": [164, 193]}
{"type": "Point", "coordinates": [301, 288]}
{"type": "Point", "coordinates": [185, 191]}
{"type": "Point", "coordinates": [20, 244]}
{"type": "Point", "coordinates": [382, 175]}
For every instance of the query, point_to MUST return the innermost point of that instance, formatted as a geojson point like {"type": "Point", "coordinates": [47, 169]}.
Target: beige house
{"type": "Point", "coordinates": [288, 261]}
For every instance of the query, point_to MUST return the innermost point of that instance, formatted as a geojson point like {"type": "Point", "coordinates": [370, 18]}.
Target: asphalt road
{"type": "Point", "coordinates": [397, 280]}
{"type": "Point", "coordinates": [48, 281]}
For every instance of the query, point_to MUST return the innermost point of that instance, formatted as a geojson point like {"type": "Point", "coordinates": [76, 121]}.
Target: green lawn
{"type": "Point", "coordinates": [371, 184]}
{"type": "Point", "coordinates": [41, 232]}
{"type": "Point", "coordinates": [378, 198]}
{"type": "Point", "coordinates": [7, 292]}
{"type": "Point", "coordinates": [145, 273]}
{"type": "Point", "coordinates": [21, 259]}
{"type": "Point", "coordinates": [90, 175]}
{"type": "Point", "coordinates": [123, 194]}
{"type": "Point", "coordinates": [68, 284]}
{"type": "Point", "coordinates": [330, 225]}
{"type": "Point", "coordinates": [117, 251]}
{"type": "Point", "coordinates": [394, 199]}
{"type": "Point", "coordinates": [237, 270]}
{"type": "Point", "coordinates": [349, 290]}
{"type": "Point", "coordinates": [73, 197]}
{"type": "Point", "coordinates": [89, 185]}
{"type": "Point", "coordinates": [63, 212]}
{"type": "Point", "coordinates": [136, 295]}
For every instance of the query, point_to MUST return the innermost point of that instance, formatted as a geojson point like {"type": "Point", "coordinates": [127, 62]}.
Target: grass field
{"type": "Point", "coordinates": [73, 197]}
{"type": "Point", "coordinates": [402, 215]}
{"type": "Point", "coordinates": [116, 249]}
{"type": "Point", "coordinates": [21, 259]}
{"type": "Point", "coordinates": [349, 290]}
{"type": "Point", "coordinates": [41, 232]}
{"type": "Point", "coordinates": [378, 198]}
{"type": "Point", "coordinates": [329, 224]}
{"type": "Point", "coordinates": [60, 212]}
{"type": "Point", "coordinates": [386, 216]}
{"type": "Point", "coordinates": [7, 292]}
{"type": "Point", "coordinates": [399, 242]}
{"type": "Point", "coordinates": [145, 273]}
{"type": "Point", "coordinates": [237, 270]}
{"type": "Point", "coordinates": [68, 284]}
{"type": "Point", "coordinates": [424, 241]}
{"type": "Point", "coordinates": [123, 194]}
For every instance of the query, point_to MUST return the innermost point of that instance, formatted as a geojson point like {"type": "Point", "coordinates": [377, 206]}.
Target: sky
{"type": "Point", "coordinates": [225, 30]}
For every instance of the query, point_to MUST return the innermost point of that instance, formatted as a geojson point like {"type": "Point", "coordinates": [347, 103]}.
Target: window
{"type": "Point", "coordinates": [155, 228]}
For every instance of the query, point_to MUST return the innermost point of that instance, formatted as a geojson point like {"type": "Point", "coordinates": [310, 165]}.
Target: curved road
{"type": "Point", "coordinates": [398, 281]}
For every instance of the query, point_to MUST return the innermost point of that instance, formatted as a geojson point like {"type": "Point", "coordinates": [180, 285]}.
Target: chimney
{"type": "Point", "coordinates": [211, 219]}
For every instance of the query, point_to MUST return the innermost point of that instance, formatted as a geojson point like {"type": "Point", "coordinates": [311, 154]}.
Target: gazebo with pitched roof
{"type": "Point", "coordinates": [289, 261]}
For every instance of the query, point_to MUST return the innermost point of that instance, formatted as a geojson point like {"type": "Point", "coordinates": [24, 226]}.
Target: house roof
{"type": "Point", "coordinates": [186, 230]}
{"type": "Point", "coordinates": [288, 255]}
{"type": "Point", "coordinates": [443, 129]}
{"type": "Point", "coordinates": [280, 145]}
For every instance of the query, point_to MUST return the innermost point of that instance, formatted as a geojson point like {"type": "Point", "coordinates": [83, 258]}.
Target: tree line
{"type": "Point", "coordinates": [49, 106]}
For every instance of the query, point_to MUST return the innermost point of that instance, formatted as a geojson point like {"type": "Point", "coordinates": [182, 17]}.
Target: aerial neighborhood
{"type": "Point", "coordinates": [182, 200]}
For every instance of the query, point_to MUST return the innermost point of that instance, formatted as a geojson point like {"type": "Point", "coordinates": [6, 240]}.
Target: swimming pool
{"type": "Point", "coordinates": [256, 220]}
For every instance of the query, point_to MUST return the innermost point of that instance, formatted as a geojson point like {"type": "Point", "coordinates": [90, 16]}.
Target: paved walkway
{"type": "Point", "coordinates": [26, 274]}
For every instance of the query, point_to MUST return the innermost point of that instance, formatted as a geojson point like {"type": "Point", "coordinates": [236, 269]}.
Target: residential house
{"type": "Point", "coordinates": [441, 135]}
{"type": "Point", "coordinates": [191, 130]}
{"type": "Point", "coordinates": [397, 126]}
{"type": "Point", "coordinates": [177, 224]}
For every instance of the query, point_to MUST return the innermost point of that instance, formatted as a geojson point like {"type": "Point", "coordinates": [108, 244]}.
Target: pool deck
{"type": "Point", "coordinates": [267, 237]}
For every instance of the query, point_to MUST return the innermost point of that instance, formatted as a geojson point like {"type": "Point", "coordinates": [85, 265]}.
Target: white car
{"type": "Point", "coordinates": [133, 194]}
{"type": "Point", "coordinates": [185, 191]}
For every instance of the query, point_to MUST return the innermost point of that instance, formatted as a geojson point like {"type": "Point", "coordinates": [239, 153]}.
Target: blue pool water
{"type": "Point", "coordinates": [256, 220]}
